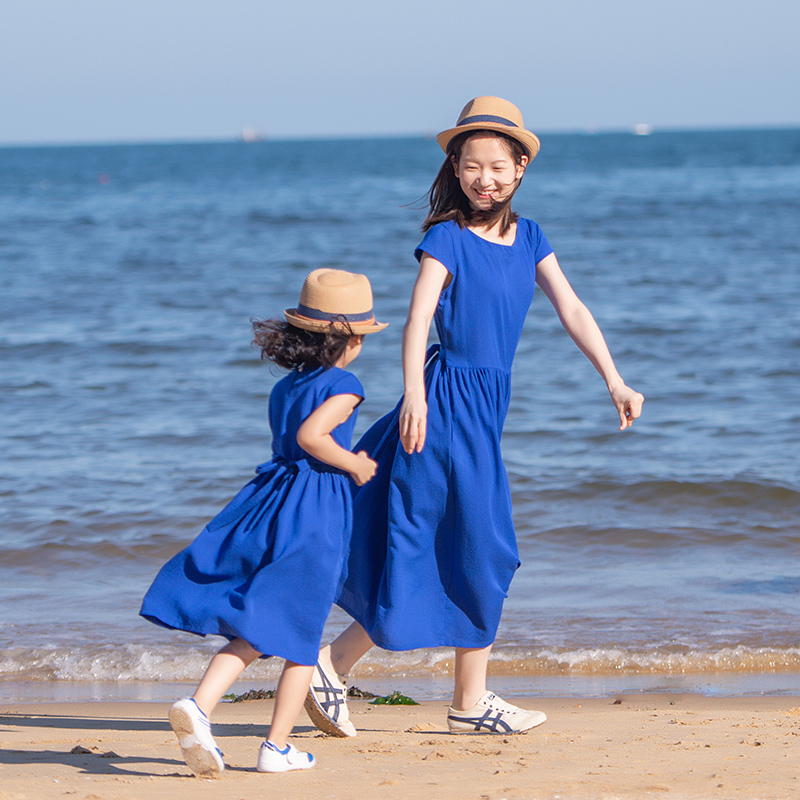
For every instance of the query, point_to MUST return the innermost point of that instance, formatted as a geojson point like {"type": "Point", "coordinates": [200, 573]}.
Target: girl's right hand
{"type": "Point", "coordinates": [413, 424]}
{"type": "Point", "coordinates": [365, 469]}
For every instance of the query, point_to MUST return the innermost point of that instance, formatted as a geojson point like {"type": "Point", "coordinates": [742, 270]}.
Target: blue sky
{"type": "Point", "coordinates": [106, 70]}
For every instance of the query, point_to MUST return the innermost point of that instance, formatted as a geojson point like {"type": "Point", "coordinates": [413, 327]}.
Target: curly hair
{"type": "Point", "coordinates": [447, 200]}
{"type": "Point", "coordinates": [294, 348]}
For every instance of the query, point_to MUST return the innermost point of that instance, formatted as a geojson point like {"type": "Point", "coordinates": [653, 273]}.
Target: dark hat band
{"type": "Point", "coordinates": [486, 118]}
{"type": "Point", "coordinates": [325, 316]}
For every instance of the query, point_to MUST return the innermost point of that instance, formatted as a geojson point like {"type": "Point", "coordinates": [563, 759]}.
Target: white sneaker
{"type": "Point", "coordinates": [271, 759]}
{"type": "Point", "coordinates": [326, 703]}
{"type": "Point", "coordinates": [493, 715]}
{"type": "Point", "coordinates": [200, 751]}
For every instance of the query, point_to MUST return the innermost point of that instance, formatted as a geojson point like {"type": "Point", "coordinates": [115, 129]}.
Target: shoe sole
{"type": "Point", "coordinates": [201, 761]}
{"type": "Point", "coordinates": [321, 719]}
{"type": "Point", "coordinates": [467, 731]}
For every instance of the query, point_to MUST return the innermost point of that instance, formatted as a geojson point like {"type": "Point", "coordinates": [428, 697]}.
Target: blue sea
{"type": "Point", "coordinates": [665, 558]}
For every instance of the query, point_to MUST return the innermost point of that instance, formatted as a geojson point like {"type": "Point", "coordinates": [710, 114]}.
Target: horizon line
{"type": "Point", "coordinates": [250, 137]}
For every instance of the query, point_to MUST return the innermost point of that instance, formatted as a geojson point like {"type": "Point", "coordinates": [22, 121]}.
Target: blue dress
{"type": "Point", "coordinates": [267, 568]}
{"type": "Point", "coordinates": [433, 548]}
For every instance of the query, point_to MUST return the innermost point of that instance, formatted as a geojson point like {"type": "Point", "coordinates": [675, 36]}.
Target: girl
{"type": "Point", "coordinates": [433, 547]}
{"type": "Point", "coordinates": [264, 572]}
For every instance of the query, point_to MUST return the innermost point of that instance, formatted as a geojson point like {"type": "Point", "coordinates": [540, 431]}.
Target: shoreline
{"type": "Point", "coordinates": [778, 683]}
{"type": "Point", "coordinates": [626, 746]}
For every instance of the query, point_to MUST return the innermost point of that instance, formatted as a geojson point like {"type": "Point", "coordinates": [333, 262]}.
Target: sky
{"type": "Point", "coordinates": [84, 71]}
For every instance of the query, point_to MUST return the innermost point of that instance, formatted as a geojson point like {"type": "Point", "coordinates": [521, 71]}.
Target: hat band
{"type": "Point", "coordinates": [325, 316]}
{"type": "Point", "coordinates": [486, 118]}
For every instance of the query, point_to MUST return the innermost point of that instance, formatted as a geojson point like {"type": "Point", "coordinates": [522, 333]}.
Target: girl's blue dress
{"type": "Point", "coordinates": [267, 568]}
{"type": "Point", "coordinates": [433, 548]}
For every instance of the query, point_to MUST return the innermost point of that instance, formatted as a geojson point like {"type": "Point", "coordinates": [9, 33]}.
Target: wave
{"type": "Point", "coordinates": [593, 661]}
{"type": "Point", "coordinates": [85, 549]}
{"type": "Point", "coordinates": [735, 493]}
{"type": "Point", "coordinates": [689, 513]}
{"type": "Point", "coordinates": [135, 662]}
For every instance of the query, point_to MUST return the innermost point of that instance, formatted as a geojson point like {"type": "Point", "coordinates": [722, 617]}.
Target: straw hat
{"type": "Point", "coordinates": [493, 114]}
{"type": "Point", "coordinates": [330, 296]}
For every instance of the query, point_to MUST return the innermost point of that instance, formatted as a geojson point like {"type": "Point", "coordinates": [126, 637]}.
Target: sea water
{"type": "Point", "coordinates": [133, 407]}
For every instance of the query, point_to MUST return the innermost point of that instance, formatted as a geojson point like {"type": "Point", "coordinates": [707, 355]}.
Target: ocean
{"type": "Point", "coordinates": [133, 407]}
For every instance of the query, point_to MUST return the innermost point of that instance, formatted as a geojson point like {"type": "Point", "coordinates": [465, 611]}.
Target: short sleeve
{"type": "Point", "coordinates": [539, 244]}
{"type": "Point", "coordinates": [343, 382]}
{"type": "Point", "coordinates": [438, 243]}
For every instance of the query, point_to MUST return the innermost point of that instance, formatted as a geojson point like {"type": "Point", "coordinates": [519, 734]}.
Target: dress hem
{"type": "Point", "coordinates": [277, 652]}
{"type": "Point", "coordinates": [384, 645]}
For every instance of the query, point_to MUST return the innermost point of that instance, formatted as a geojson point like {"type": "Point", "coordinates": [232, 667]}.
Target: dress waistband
{"type": "Point", "coordinates": [299, 464]}
{"type": "Point", "coordinates": [232, 512]}
{"type": "Point", "coordinates": [437, 355]}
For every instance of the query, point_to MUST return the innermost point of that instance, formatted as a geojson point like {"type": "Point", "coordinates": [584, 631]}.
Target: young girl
{"type": "Point", "coordinates": [265, 571]}
{"type": "Point", "coordinates": [433, 548]}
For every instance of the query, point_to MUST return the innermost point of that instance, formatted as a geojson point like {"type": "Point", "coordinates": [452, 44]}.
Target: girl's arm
{"type": "Point", "coordinates": [581, 326]}
{"type": "Point", "coordinates": [314, 436]}
{"type": "Point", "coordinates": [431, 279]}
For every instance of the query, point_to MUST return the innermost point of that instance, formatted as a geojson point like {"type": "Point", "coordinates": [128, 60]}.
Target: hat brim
{"type": "Point", "coordinates": [323, 326]}
{"type": "Point", "coordinates": [527, 139]}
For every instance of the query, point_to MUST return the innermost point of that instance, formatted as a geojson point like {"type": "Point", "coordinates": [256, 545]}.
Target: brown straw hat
{"type": "Point", "coordinates": [333, 297]}
{"type": "Point", "coordinates": [493, 114]}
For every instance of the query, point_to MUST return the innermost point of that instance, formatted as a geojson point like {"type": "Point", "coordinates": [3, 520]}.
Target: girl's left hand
{"type": "Point", "coordinates": [628, 404]}
{"type": "Point", "coordinates": [364, 469]}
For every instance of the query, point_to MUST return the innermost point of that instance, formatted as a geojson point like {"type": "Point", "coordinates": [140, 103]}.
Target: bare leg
{"type": "Point", "coordinates": [470, 679]}
{"type": "Point", "coordinates": [292, 691]}
{"type": "Point", "coordinates": [222, 672]}
{"type": "Point", "coordinates": [346, 649]}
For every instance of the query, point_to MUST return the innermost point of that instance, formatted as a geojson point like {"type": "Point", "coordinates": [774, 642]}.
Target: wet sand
{"type": "Point", "coordinates": [635, 746]}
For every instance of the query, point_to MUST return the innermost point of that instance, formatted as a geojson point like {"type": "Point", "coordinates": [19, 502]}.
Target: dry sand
{"type": "Point", "coordinates": [636, 746]}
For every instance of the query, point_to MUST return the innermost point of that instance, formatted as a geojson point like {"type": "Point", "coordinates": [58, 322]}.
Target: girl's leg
{"type": "Point", "coordinates": [222, 672]}
{"type": "Point", "coordinates": [346, 649]}
{"type": "Point", "coordinates": [292, 691]}
{"type": "Point", "coordinates": [470, 679]}
{"type": "Point", "coordinates": [276, 754]}
{"type": "Point", "coordinates": [189, 717]}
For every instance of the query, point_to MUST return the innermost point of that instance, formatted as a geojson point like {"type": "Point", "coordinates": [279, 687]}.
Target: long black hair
{"type": "Point", "coordinates": [447, 200]}
{"type": "Point", "coordinates": [295, 348]}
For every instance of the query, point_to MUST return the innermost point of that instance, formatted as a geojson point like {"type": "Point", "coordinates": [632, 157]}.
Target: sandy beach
{"type": "Point", "coordinates": [635, 746]}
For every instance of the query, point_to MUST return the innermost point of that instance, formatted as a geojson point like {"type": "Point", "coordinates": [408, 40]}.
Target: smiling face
{"type": "Point", "coordinates": [487, 171]}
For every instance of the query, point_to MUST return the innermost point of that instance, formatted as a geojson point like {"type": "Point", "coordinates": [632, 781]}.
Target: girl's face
{"type": "Point", "coordinates": [487, 171]}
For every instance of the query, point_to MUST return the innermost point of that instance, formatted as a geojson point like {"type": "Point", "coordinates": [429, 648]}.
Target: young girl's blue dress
{"type": "Point", "coordinates": [433, 548]}
{"type": "Point", "coordinates": [267, 568]}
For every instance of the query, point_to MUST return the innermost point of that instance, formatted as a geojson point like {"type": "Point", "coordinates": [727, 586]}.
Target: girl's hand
{"type": "Point", "coordinates": [365, 468]}
{"type": "Point", "coordinates": [413, 424]}
{"type": "Point", "coordinates": [628, 404]}
{"type": "Point", "coordinates": [431, 279]}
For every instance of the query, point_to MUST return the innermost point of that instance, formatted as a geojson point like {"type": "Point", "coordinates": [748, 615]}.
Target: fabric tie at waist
{"type": "Point", "coordinates": [434, 352]}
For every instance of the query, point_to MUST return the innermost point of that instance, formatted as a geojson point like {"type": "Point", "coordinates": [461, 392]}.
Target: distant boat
{"type": "Point", "coordinates": [642, 129]}
{"type": "Point", "coordinates": [251, 135]}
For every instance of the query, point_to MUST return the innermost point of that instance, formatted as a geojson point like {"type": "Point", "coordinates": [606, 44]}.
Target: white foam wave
{"type": "Point", "coordinates": [727, 659]}
{"type": "Point", "coordinates": [136, 662]}
{"type": "Point", "coordinates": [127, 663]}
